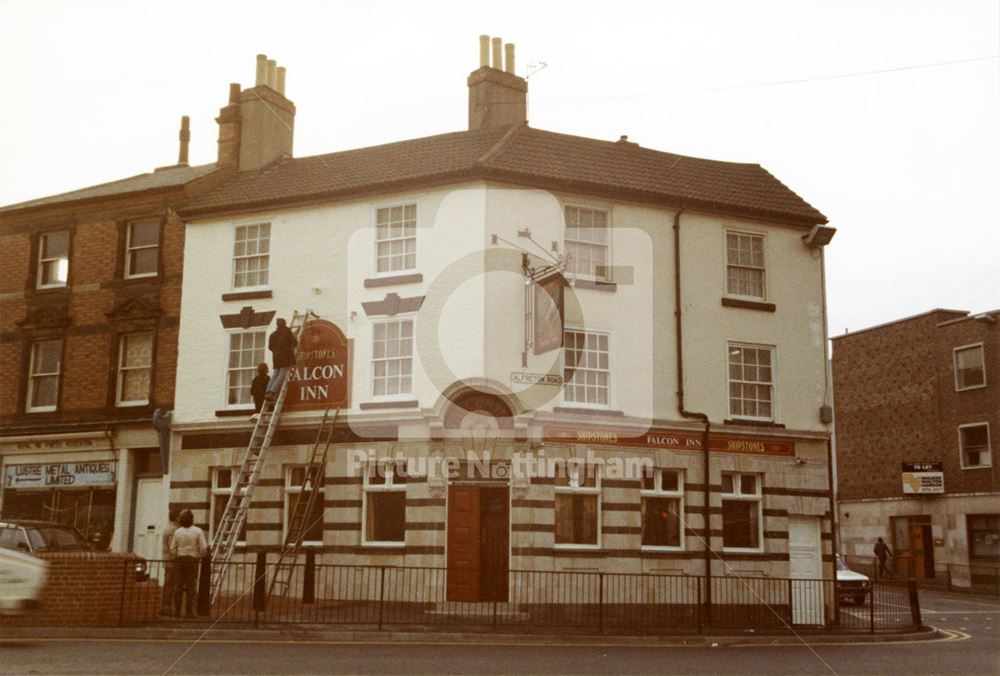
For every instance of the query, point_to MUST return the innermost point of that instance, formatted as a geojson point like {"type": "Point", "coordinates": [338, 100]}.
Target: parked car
{"type": "Point", "coordinates": [851, 585]}
{"type": "Point", "coordinates": [45, 536]}
{"type": "Point", "coordinates": [22, 577]}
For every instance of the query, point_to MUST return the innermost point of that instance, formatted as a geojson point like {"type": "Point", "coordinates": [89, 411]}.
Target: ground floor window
{"type": "Point", "coordinates": [296, 485]}
{"type": "Point", "coordinates": [385, 504]}
{"type": "Point", "coordinates": [223, 479]}
{"type": "Point", "coordinates": [578, 506]}
{"type": "Point", "coordinates": [662, 498]}
{"type": "Point", "coordinates": [90, 510]}
{"type": "Point", "coordinates": [984, 536]}
{"type": "Point", "coordinates": [741, 511]}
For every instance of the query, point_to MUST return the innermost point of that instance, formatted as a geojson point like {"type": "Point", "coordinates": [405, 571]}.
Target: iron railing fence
{"type": "Point", "coordinates": [579, 602]}
{"type": "Point", "coordinates": [980, 578]}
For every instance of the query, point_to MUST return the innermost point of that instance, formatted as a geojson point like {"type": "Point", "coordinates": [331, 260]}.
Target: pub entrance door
{"type": "Point", "coordinates": [478, 543]}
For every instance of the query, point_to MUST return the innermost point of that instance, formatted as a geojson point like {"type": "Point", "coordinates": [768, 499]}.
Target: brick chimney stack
{"type": "Point", "coordinates": [497, 97]}
{"type": "Point", "coordinates": [255, 128]}
{"type": "Point", "coordinates": [185, 139]}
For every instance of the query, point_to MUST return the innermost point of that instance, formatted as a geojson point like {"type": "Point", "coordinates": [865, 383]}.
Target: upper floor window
{"type": "Point", "coordinates": [742, 527]}
{"type": "Point", "coordinates": [751, 381]}
{"type": "Point", "coordinates": [43, 375]}
{"type": "Point", "coordinates": [53, 260]}
{"type": "Point", "coordinates": [586, 368]}
{"type": "Point", "coordinates": [392, 357]}
{"type": "Point", "coordinates": [974, 444]}
{"type": "Point", "coordinates": [970, 367]}
{"type": "Point", "coordinates": [135, 369]}
{"type": "Point", "coordinates": [662, 498]}
{"type": "Point", "coordinates": [142, 253]}
{"type": "Point", "coordinates": [578, 506]}
{"type": "Point", "coordinates": [745, 265]}
{"type": "Point", "coordinates": [251, 255]}
{"type": "Point", "coordinates": [587, 238]}
{"type": "Point", "coordinates": [246, 350]}
{"type": "Point", "coordinates": [396, 238]}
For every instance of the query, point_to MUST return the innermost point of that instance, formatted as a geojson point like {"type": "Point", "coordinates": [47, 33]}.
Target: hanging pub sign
{"type": "Point", "coordinates": [548, 313]}
{"type": "Point", "coordinates": [922, 478]}
{"type": "Point", "coordinates": [321, 378]}
{"type": "Point", "coordinates": [46, 475]}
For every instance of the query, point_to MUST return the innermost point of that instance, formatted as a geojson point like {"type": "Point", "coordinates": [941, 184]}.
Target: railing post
{"type": "Point", "coordinates": [381, 595]}
{"type": "Point", "coordinates": [871, 611]}
{"type": "Point", "coordinates": [791, 601]}
{"type": "Point", "coordinates": [915, 603]}
{"type": "Point", "coordinates": [948, 566]}
{"type": "Point", "coordinates": [309, 578]}
{"type": "Point", "coordinates": [204, 586]}
{"type": "Point", "coordinates": [600, 603]}
{"type": "Point", "coordinates": [697, 604]}
{"type": "Point", "coordinates": [121, 602]}
{"type": "Point", "coordinates": [494, 616]}
{"type": "Point", "coordinates": [260, 582]}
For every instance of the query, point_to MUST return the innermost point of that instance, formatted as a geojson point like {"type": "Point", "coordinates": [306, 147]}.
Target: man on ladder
{"type": "Point", "coordinates": [282, 344]}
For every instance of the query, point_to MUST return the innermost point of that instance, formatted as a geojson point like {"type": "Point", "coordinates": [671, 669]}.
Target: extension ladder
{"type": "Point", "coordinates": [235, 515]}
{"type": "Point", "coordinates": [312, 490]}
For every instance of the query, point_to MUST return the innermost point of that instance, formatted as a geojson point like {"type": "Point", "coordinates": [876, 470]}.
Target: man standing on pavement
{"type": "Point", "coordinates": [167, 601]}
{"type": "Point", "coordinates": [282, 344]}
{"type": "Point", "coordinates": [882, 552]}
{"type": "Point", "coordinates": [188, 547]}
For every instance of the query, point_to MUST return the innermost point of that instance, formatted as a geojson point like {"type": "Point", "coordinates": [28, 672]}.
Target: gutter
{"type": "Point", "coordinates": [706, 459]}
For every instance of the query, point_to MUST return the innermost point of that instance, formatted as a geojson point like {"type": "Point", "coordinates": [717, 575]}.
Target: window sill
{"type": "Point", "coordinates": [748, 304]}
{"type": "Point", "coordinates": [990, 466]}
{"type": "Point", "coordinates": [384, 545]}
{"type": "Point", "coordinates": [43, 409]}
{"type": "Point", "coordinates": [742, 550]}
{"type": "Point", "coordinates": [392, 280]}
{"type": "Point", "coordinates": [131, 404]}
{"type": "Point", "coordinates": [754, 423]}
{"type": "Point", "coordinates": [375, 405]}
{"type": "Point", "coordinates": [248, 295]}
{"type": "Point", "coordinates": [234, 412]}
{"type": "Point", "coordinates": [595, 284]}
{"type": "Point", "coordinates": [970, 387]}
{"type": "Point", "coordinates": [572, 547]}
{"type": "Point", "coordinates": [588, 411]}
{"type": "Point", "coordinates": [660, 548]}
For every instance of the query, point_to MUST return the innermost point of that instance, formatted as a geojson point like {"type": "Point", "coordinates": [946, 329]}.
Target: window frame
{"type": "Point", "coordinates": [129, 249]}
{"type": "Point", "coordinates": [120, 369]}
{"type": "Point", "coordinates": [289, 496]}
{"type": "Point", "coordinates": [30, 388]}
{"type": "Point", "coordinates": [217, 491]}
{"type": "Point", "coordinates": [234, 258]}
{"type": "Point", "coordinates": [227, 370]}
{"type": "Point", "coordinates": [375, 238]}
{"type": "Point", "coordinates": [773, 350]}
{"type": "Point", "coordinates": [969, 530]}
{"type": "Point", "coordinates": [575, 274]}
{"type": "Point", "coordinates": [982, 365]}
{"type": "Point", "coordinates": [745, 232]}
{"type": "Point", "coordinates": [387, 485]}
{"type": "Point", "coordinates": [40, 261]}
{"type": "Point", "coordinates": [739, 496]}
{"type": "Point", "coordinates": [989, 446]}
{"type": "Point", "coordinates": [610, 370]}
{"type": "Point", "coordinates": [574, 488]}
{"type": "Point", "coordinates": [658, 492]}
{"type": "Point", "coordinates": [398, 396]}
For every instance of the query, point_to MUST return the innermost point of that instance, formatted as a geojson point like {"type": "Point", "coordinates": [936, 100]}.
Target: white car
{"type": "Point", "coordinates": [22, 577]}
{"type": "Point", "coordinates": [851, 585]}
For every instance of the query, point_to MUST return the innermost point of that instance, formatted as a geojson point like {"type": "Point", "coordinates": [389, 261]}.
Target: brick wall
{"type": "Point", "coordinates": [85, 589]}
{"type": "Point", "coordinates": [895, 402]}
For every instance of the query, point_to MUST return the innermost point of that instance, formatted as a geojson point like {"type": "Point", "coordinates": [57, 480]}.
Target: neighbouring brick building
{"type": "Point", "coordinates": [917, 412]}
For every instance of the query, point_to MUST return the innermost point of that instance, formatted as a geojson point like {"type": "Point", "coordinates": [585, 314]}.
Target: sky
{"type": "Point", "coordinates": [884, 115]}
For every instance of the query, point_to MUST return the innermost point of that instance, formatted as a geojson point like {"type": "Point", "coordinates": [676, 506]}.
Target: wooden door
{"type": "Point", "coordinates": [495, 544]}
{"type": "Point", "coordinates": [917, 550]}
{"type": "Point", "coordinates": [463, 543]}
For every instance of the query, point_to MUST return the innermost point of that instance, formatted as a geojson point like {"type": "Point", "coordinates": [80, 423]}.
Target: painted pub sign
{"type": "Point", "coordinates": [321, 378]}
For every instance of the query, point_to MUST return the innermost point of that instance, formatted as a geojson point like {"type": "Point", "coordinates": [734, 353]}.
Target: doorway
{"type": "Point", "coordinates": [478, 543]}
{"type": "Point", "coordinates": [150, 518]}
{"type": "Point", "coordinates": [913, 546]}
{"type": "Point", "coordinates": [805, 568]}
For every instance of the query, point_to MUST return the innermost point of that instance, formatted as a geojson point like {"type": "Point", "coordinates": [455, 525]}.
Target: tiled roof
{"type": "Point", "coordinates": [161, 178]}
{"type": "Point", "coordinates": [519, 154]}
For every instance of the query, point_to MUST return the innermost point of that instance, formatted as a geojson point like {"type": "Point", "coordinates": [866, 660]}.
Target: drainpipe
{"type": "Point", "coordinates": [831, 466]}
{"type": "Point", "coordinates": [692, 414]}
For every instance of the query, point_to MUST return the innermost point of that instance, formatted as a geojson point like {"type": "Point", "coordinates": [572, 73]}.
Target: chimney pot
{"type": "Point", "coordinates": [261, 69]}
{"type": "Point", "coordinates": [185, 138]}
{"type": "Point", "coordinates": [497, 55]}
{"type": "Point", "coordinates": [509, 58]}
{"type": "Point", "coordinates": [623, 138]}
{"type": "Point", "coordinates": [484, 51]}
{"type": "Point", "coordinates": [234, 92]}
{"type": "Point", "coordinates": [281, 80]}
{"type": "Point", "coordinates": [272, 74]}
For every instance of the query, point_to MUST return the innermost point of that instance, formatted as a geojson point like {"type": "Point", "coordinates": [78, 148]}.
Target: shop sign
{"type": "Point", "coordinates": [548, 313]}
{"type": "Point", "coordinates": [47, 475]}
{"type": "Point", "coordinates": [322, 374]}
{"type": "Point", "coordinates": [923, 478]}
{"type": "Point", "coordinates": [671, 440]}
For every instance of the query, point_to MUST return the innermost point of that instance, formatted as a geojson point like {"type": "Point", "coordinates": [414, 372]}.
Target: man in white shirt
{"type": "Point", "coordinates": [188, 546]}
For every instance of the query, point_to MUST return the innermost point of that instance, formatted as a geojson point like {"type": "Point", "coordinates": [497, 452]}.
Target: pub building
{"type": "Point", "coordinates": [513, 299]}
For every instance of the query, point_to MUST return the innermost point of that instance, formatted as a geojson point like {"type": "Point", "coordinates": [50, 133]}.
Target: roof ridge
{"type": "Point", "coordinates": [499, 146]}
